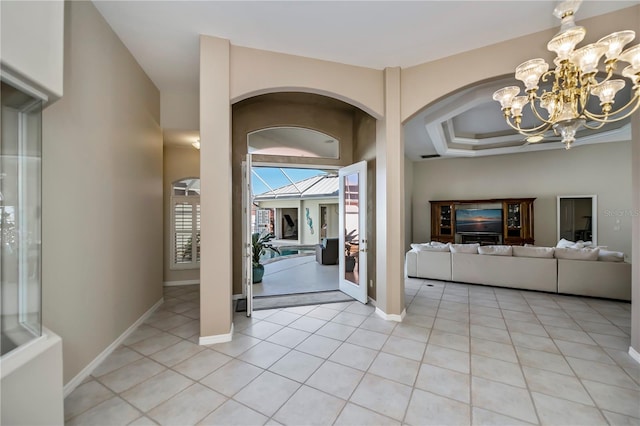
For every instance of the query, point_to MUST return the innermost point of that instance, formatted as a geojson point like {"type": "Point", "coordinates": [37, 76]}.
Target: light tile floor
{"type": "Point", "coordinates": [463, 355]}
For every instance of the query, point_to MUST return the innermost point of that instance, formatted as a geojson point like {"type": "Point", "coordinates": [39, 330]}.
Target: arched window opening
{"type": "Point", "coordinates": [293, 142]}
{"type": "Point", "coordinates": [185, 224]}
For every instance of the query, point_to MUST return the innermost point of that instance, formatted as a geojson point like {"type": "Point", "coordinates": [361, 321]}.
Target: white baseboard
{"type": "Point", "coordinates": [79, 378]}
{"type": "Point", "coordinates": [185, 282]}
{"type": "Point", "coordinates": [217, 338]}
{"type": "Point", "coordinates": [238, 296]}
{"type": "Point", "coordinates": [391, 317]}
{"type": "Point", "coordinates": [371, 301]}
{"type": "Point", "coordinates": [634, 354]}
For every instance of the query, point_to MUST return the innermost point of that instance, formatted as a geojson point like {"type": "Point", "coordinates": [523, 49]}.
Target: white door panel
{"type": "Point", "coordinates": [353, 230]}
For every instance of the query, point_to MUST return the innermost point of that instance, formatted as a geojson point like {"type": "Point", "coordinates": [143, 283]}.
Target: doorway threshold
{"type": "Point", "coordinates": [291, 300]}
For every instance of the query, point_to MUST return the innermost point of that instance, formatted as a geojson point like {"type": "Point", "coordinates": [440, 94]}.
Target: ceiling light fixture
{"type": "Point", "coordinates": [196, 144]}
{"type": "Point", "coordinates": [574, 81]}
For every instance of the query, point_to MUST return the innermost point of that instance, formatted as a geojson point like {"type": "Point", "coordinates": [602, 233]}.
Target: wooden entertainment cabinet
{"type": "Point", "coordinates": [517, 221]}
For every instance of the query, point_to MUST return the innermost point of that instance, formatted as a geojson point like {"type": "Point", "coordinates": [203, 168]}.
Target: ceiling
{"type": "Point", "coordinates": [163, 36]}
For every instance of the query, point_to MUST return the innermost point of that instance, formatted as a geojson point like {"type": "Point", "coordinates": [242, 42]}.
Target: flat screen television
{"type": "Point", "coordinates": [479, 220]}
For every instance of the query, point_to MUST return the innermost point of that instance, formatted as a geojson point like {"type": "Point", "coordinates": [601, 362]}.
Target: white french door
{"type": "Point", "coordinates": [247, 266]}
{"type": "Point", "coordinates": [353, 230]}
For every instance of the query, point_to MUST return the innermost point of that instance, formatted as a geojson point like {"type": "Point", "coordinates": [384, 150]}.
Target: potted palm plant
{"type": "Point", "coordinates": [261, 243]}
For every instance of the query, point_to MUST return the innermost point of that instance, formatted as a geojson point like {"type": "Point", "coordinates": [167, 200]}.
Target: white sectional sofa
{"type": "Point", "coordinates": [545, 272]}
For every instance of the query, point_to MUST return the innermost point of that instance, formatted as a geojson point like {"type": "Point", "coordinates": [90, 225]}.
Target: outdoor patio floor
{"type": "Point", "coordinates": [298, 274]}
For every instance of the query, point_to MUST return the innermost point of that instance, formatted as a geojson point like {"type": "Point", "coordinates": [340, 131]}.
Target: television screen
{"type": "Point", "coordinates": [479, 220]}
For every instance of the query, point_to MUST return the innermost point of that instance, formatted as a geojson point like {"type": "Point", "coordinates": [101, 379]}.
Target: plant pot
{"type": "Point", "coordinates": [258, 273]}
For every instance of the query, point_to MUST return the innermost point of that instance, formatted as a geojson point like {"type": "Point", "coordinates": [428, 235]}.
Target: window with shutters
{"type": "Point", "coordinates": [185, 224]}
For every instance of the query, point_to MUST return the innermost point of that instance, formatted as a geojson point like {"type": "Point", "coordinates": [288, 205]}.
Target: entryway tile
{"type": "Point", "coordinates": [157, 389]}
{"type": "Point", "coordinates": [355, 415]}
{"type": "Point", "coordinates": [309, 407]}
{"type": "Point", "coordinates": [447, 358]}
{"type": "Point", "coordinates": [353, 356]}
{"type": "Point", "coordinates": [131, 374]}
{"type": "Point", "coordinates": [502, 398]}
{"type": "Point", "coordinates": [554, 411]}
{"type": "Point", "coordinates": [267, 393]}
{"type": "Point", "coordinates": [114, 411]}
{"type": "Point", "coordinates": [395, 368]}
{"type": "Point", "coordinates": [231, 377]}
{"type": "Point", "coordinates": [482, 417]}
{"type": "Point", "coordinates": [235, 347]}
{"type": "Point", "coordinates": [297, 366]}
{"type": "Point", "coordinates": [187, 407]}
{"type": "Point", "coordinates": [557, 385]}
{"type": "Point", "coordinates": [428, 408]}
{"type": "Point", "coordinates": [202, 363]}
{"type": "Point", "coordinates": [85, 396]}
{"type": "Point", "coordinates": [335, 379]}
{"type": "Point", "coordinates": [233, 414]}
{"type": "Point", "coordinates": [497, 370]}
{"type": "Point", "coordinates": [319, 346]}
{"type": "Point", "coordinates": [368, 339]}
{"type": "Point", "coordinates": [444, 382]}
{"type": "Point", "coordinates": [177, 353]}
{"type": "Point", "coordinates": [336, 331]}
{"type": "Point", "coordinates": [264, 354]}
{"type": "Point", "coordinates": [613, 398]}
{"type": "Point", "coordinates": [383, 396]}
{"type": "Point", "coordinates": [406, 348]}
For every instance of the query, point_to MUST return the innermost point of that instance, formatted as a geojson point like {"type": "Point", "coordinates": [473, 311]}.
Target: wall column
{"type": "Point", "coordinates": [634, 350]}
{"type": "Point", "coordinates": [390, 205]}
{"type": "Point", "coordinates": [215, 198]}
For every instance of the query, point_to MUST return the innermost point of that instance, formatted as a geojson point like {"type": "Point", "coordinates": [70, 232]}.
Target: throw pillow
{"type": "Point", "coordinates": [419, 246]}
{"type": "Point", "coordinates": [442, 248]}
{"type": "Point", "coordinates": [464, 248]}
{"type": "Point", "coordinates": [496, 250]}
{"type": "Point", "coordinates": [565, 243]}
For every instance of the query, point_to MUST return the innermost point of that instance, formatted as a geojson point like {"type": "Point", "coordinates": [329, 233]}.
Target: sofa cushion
{"type": "Point", "coordinates": [610, 256]}
{"type": "Point", "coordinates": [442, 248]}
{"type": "Point", "coordinates": [532, 251]}
{"type": "Point", "coordinates": [464, 248]}
{"type": "Point", "coordinates": [576, 254]}
{"type": "Point", "coordinates": [496, 250]}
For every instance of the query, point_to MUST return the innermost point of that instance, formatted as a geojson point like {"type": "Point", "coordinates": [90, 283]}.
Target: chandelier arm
{"type": "Point", "coordinates": [599, 126]}
{"type": "Point", "coordinates": [537, 114]}
{"type": "Point", "coordinates": [530, 132]}
{"type": "Point", "coordinates": [608, 117]}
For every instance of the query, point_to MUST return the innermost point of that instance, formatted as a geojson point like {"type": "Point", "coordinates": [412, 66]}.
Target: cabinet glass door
{"type": "Point", "coordinates": [445, 220]}
{"type": "Point", "coordinates": [514, 220]}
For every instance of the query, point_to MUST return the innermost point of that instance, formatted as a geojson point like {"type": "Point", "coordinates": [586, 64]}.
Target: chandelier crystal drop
{"type": "Point", "coordinates": [563, 107]}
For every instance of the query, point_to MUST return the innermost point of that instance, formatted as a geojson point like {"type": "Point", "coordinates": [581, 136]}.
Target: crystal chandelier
{"type": "Point", "coordinates": [573, 82]}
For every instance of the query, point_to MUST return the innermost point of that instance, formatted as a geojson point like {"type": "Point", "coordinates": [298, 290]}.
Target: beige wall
{"type": "Point", "coordinates": [179, 162]}
{"type": "Point", "coordinates": [102, 193]}
{"type": "Point", "coordinates": [603, 170]}
{"type": "Point", "coordinates": [32, 43]}
{"type": "Point", "coordinates": [279, 72]}
{"type": "Point", "coordinates": [216, 268]}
